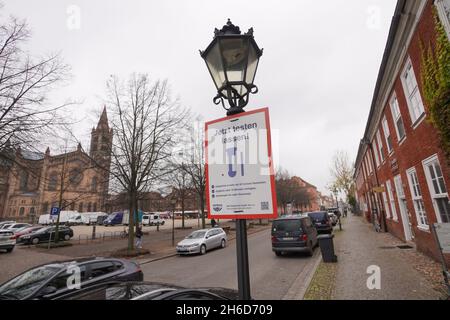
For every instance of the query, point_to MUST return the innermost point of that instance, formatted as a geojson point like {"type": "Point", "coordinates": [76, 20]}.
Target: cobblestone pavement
{"type": "Point", "coordinates": [358, 246]}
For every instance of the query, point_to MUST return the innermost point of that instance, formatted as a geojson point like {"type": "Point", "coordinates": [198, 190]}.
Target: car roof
{"type": "Point", "coordinates": [291, 217]}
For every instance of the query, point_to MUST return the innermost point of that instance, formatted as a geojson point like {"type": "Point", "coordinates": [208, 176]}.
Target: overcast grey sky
{"type": "Point", "coordinates": [317, 73]}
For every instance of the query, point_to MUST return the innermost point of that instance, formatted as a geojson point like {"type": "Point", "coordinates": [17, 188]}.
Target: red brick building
{"type": "Point", "coordinates": [400, 171]}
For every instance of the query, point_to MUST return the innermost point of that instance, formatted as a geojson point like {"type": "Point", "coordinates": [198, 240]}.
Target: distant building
{"type": "Point", "coordinates": [402, 175]}
{"type": "Point", "coordinates": [30, 182]}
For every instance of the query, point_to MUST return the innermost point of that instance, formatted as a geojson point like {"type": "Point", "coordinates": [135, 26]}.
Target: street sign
{"type": "Point", "coordinates": [54, 211]}
{"type": "Point", "coordinates": [443, 235]}
{"type": "Point", "coordinates": [240, 182]}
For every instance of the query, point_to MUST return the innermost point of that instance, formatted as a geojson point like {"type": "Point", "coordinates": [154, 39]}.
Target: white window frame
{"type": "Point", "coordinates": [386, 203]}
{"type": "Point", "coordinates": [415, 93]}
{"type": "Point", "coordinates": [387, 134]}
{"type": "Point", "coordinates": [375, 153]}
{"type": "Point", "coordinates": [369, 162]}
{"type": "Point", "coordinates": [416, 195]}
{"type": "Point", "coordinates": [444, 16]}
{"type": "Point", "coordinates": [391, 200]}
{"type": "Point", "coordinates": [426, 163]}
{"type": "Point", "coordinates": [380, 146]}
{"type": "Point", "coordinates": [396, 116]}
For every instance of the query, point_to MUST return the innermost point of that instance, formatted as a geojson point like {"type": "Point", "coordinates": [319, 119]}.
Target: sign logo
{"type": "Point", "coordinates": [217, 207]}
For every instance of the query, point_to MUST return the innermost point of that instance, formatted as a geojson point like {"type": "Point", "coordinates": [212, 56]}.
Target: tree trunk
{"type": "Point", "coordinates": [182, 212]}
{"type": "Point", "coordinates": [131, 206]}
{"type": "Point", "coordinates": [202, 207]}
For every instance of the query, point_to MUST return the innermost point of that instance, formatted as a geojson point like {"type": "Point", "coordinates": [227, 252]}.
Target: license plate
{"type": "Point", "coordinates": [288, 239]}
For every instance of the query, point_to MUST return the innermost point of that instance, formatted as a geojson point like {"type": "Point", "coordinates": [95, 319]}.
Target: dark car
{"type": "Point", "coordinates": [293, 234]}
{"type": "Point", "coordinates": [114, 290]}
{"type": "Point", "coordinates": [46, 234]}
{"type": "Point", "coordinates": [27, 231]}
{"type": "Point", "coordinates": [321, 221]}
{"type": "Point", "coordinates": [54, 280]}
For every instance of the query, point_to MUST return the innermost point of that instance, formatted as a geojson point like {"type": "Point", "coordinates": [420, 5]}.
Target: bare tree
{"type": "Point", "coordinates": [25, 81]}
{"type": "Point", "coordinates": [342, 174]}
{"type": "Point", "coordinates": [192, 157]}
{"type": "Point", "coordinates": [145, 122]}
{"type": "Point", "coordinates": [289, 191]}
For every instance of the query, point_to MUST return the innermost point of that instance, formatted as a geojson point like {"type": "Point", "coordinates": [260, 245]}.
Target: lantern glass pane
{"type": "Point", "coordinates": [235, 52]}
{"type": "Point", "coordinates": [252, 65]}
{"type": "Point", "coordinates": [215, 66]}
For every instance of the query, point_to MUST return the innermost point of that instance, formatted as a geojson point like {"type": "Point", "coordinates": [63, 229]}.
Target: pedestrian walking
{"type": "Point", "coordinates": [139, 235]}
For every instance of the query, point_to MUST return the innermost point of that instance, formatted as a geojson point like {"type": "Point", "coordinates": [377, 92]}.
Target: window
{"type": "Point", "coordinates": [23, 181]}
{"type": "Point", "coordinates": [386, 204]}
{"type": "Point", "coordinates": [53, 181]}
{"type": "Point", "coordinates": [80, 207]}
{"type": "Point", "coordinates": [412, 93]}
{"type": "Point", "coordinates": [72, 206]}
{"type": "Point", "coordinates": [369, 160]}
{"type": "Point", "coordinates": [443, 8]}
{"type": "Point", "coordinates": [438, 190]}
{"type": "Point", "coordinates": [397, 116]}
{"type": "Point", "coordinates": [380, 146]}
{"type": "Point", "coordinates": [89, 207]}
{"type": "Point", "coordinates": [94, 207]}
{"type": "Point", "coordinates": [387, 135]}
{"type": "Point", "coordinates": [416, 195]}
{"type": "Point", "coordinates": [60, 282]}
{"type": "Point", "coordinates": [99, 269]}
{"type": "Point", "coordinates": [45, 207]}
{"type": "Point", "coordinates": [391, 200]}
{"type": "Point", "coordinates": [377, 159]}
{"type": "Point", "coordinates": [94, 184]}
{"type": "Point", "coordinates": [21, 211]}
{"type": "Point", "coordinates": [32, 211]}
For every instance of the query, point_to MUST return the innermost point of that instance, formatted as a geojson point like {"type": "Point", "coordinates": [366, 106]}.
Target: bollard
{"type": "Point", "coordinates": [93, 231]}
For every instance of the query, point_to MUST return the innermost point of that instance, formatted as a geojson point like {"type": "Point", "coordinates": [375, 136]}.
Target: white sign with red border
{"type": "Point", "coordinates": [240, 182]}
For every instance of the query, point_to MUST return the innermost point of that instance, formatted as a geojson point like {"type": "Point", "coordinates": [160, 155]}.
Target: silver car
{"type": "Point", "coordinates": [7, 240]}
{"type": "Point", "coordinates": [203, 240]}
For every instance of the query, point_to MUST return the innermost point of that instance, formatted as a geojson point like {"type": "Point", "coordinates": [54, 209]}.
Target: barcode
{"type": "Point", "coordinates": [265, 205]}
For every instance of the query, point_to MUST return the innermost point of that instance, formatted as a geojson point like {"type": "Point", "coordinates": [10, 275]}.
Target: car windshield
{"type": "Point", "coordinates": [196, 235]}
{"type": "Point", "coordinates": [28, 282]}
{"type": "Point", "coordinates": [317, 215]}
{"type": "Point", "coordinates": [287, 225]}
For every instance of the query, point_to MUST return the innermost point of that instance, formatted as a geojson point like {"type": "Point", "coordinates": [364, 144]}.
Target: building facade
{"type": "Point", "coordinates": [402, 175]}
{"type": "Point", "coordinates": [31, 183]}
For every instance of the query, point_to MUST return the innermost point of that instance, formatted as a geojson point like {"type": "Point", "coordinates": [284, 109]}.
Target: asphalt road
{"type": "Point", "coordinates": [271, 277]}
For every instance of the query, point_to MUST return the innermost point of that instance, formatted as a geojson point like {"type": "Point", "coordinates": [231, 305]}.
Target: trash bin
{"type": "Point", "coordinates": [327, 247]}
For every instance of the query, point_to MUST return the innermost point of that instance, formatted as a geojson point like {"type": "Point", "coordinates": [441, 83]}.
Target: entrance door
{"type": "Point", "coordinates": [403, 208]}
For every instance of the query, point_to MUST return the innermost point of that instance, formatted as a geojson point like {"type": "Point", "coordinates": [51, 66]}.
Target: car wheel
{"type": "Point", "coordinates": [202, 249]}
{"type": "Point", "coordinates": [9, 250]}
{"type": "Point", "coordinates": [278, 253]}
{"type": "Point", "coordinates": [223, 243]}
{"type": "Point", "coordinates": [162, 223]}
{"type": "Point", "coordinates": [66, 237]}
{"type": "Point", "coordinates": [35, 241]}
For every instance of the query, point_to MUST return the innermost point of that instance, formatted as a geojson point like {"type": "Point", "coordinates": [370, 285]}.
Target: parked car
{"type": "Point", "coordinates": [49, 281]}
{"type": "Point", "coordinates": [133, 290]}
{"type": "Point", "coordinates": [203, 240]}
{"type": "Point", "coordinates": [293, 233]}
{"type": "Point", "coordinates": [152, 219]}
{"type": "Point", "coordinates": [7, 240]}
{"type": "Point", "coordinates": [17, 226]}
{"type": "Point", "coordinates": [28, 230]}
{"type": "Point", "coordinates": [2, 223]}
{"type": "Point", "coordinates": [46, 234]}
{"type": "Point", "coordinates": [6, 226]}
{"type": "Point", "coordinates": [321, 221]}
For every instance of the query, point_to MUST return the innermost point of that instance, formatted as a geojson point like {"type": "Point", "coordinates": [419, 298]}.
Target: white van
{"type": "Point", "coordinates": [152, 219]}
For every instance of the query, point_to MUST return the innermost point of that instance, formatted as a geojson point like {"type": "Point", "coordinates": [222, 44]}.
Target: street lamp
{"type": "Point", "coordinates": [232, 59]}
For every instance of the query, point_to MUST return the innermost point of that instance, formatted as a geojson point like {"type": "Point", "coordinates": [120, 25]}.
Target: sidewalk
{"type": "Point", "coordinates": [358, 246]}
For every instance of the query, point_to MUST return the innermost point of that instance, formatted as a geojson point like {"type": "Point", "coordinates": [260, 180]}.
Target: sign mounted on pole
{"type": "Point", "coordinates": [240, 182]}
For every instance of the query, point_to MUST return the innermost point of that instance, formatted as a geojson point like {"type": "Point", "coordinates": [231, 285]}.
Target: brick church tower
{"type": "Point", "coordinates": [100, 151]}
